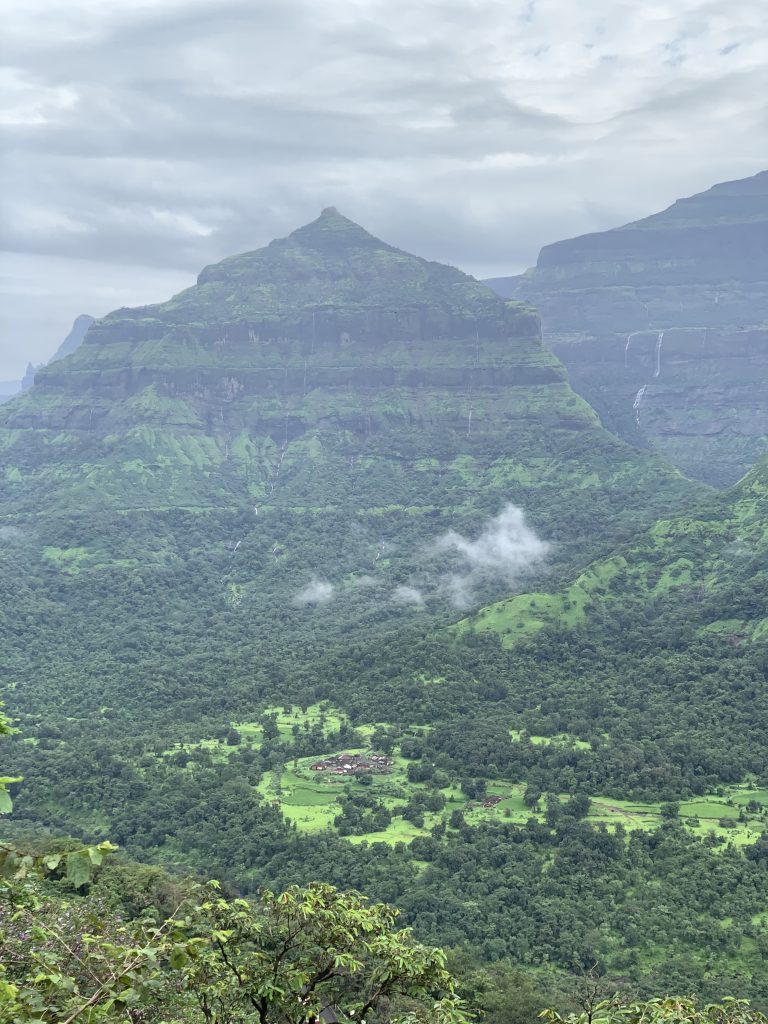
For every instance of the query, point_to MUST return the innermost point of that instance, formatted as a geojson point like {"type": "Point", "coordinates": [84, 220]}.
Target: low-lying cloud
{"type": "Point", "coordinates": [315, 592]}
{"type": "Point", "coordinates": [452, 567]}
{"type": "Point", "coordinates": [506, 549]}
{"type": "Point", "coordinates": [408, 595]}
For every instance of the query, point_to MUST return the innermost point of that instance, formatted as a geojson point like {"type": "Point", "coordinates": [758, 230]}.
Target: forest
{"type": "Point", "coordinates": [384, 617]}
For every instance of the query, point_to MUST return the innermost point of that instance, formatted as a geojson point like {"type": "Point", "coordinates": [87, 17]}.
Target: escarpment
{"type": "Point", "coordinates": [668, 318]}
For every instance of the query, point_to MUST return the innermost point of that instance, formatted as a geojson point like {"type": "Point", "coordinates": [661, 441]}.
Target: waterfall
{"type": "Point", "coordinates": [638, 402]}
{"type": "Point", "coordinates": [659, 342]}
{"type": "Point", "coordinates": [634, 334]}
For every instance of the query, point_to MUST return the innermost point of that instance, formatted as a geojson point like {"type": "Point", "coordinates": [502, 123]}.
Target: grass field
{"type": "Point", "coordinates": [310, 800]}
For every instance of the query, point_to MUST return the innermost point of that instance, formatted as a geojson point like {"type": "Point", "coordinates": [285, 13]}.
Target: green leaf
{"type": "Point", "coordinates": [78, 868]}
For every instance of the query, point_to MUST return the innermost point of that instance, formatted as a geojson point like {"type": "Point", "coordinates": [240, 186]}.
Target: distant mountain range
{"type": "Point", "coordinates": [663, 325]}
{"type": "Point", "coordinates": [78, 331]}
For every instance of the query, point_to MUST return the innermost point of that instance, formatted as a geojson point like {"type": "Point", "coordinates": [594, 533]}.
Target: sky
{"type": "Point", "coordinates": [144, 139]}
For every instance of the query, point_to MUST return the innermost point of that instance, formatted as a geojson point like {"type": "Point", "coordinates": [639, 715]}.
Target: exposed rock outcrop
{"type": "Point", "coordinates": [327, 370]}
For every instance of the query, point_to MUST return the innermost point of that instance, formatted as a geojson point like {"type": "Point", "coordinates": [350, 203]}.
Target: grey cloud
{"type": "Point", "coordinates": [167, 136]}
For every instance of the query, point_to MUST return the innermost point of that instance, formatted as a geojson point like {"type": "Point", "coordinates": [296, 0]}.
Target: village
{"type": "Point", "coordinates": [354, 764]}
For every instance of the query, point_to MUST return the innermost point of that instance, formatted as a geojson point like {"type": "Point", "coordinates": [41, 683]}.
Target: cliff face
{"type": "Point", "coordinates": [75, 337]}
{"type": "Point", "coordinates": [327, 371]}
{"type": "Point", "coordinates": [70, 343]}
{"type": "Point", "coordinates": [663, 325]}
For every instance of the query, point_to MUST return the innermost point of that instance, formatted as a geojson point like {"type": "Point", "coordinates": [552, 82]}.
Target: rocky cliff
{"type": "Point", "coordinates": [70, 343]}
{"type": "Point", "coordinates": [327, 374]}
{"type": "Point", "coordinates": [75, 337]}
{"type": "Point", "coordinates": [663, 325]}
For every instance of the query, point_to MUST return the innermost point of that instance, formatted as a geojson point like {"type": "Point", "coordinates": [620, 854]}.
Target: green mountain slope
{"type": "Point", "coordinates": [663, 325]}
{"type": "Point", "coordinates": [710, 567]}
{"type": "Point", "coordinates": [329, 374]}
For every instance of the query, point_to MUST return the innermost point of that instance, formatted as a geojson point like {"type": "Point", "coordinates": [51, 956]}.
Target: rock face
{"type": "Point", "coordinates": [663, 325]}
{"type": "Point", "coordinates": [327, 371]}
{"type": "Point", "coordinates": [29, 376]}
{"type": "Point", "coordinates": [75, 337]}
{"type": "Point", "coordinates": [70, 343]}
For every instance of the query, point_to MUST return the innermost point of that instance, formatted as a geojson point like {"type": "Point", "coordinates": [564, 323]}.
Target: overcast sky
{"type": "Point", "coordinates": [143, 139]}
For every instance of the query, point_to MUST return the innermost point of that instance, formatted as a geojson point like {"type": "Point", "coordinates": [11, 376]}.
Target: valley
{"type": "Point", "coordinates": [345, 583]}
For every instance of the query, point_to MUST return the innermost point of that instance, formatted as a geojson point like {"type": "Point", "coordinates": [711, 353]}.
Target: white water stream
{"type": "Point", "coordinates": [659, 343]}
{"type": "Point", "coordinates": [638, 402]}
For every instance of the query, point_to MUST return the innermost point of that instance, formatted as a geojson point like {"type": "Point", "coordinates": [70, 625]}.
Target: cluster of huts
{"type": "Point", "coordinates": [354, 764]}
{"type": "Point", "coordinates": [491, 801]}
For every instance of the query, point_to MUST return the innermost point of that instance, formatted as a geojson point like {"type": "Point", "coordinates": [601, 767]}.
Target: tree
{"type": "Point", "coordinates": [6, 804]}
{"type": "Point", "coordinates": [292, 956]}
{"type": "Point", "coordinates": [661, 1011]}
{"type": "Point", "coordinates": [296, 958]}
{"type": "Point", "coordinates": [532, 796]}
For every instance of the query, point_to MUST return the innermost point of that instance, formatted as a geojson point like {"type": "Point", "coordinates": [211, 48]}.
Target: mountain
{"type": "Point", "coordinates": [234, 531]}
{"type": "Point", "coordinates": [75, 337]}
{"type": "Point", "coordinates": [70, 343]}
{"type": "Point", "coordinates": [308, 445]}
{"type": "Point", "coordinates": [663, 325]}
{"type": "Point", "coordinates": [333, 375]}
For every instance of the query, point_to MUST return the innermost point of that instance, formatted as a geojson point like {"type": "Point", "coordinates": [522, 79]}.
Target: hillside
{"type": "Point", "coordinates": [235, 529]}
{"type": "Point", "coordinates": [709, 567]}
{"type": "Point", "coordinates": [323, 407]}
{"type": "Point", "coordinates": [663, 325]}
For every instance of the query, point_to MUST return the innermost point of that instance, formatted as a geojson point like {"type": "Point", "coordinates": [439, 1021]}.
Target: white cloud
{"type": "Point", "coordinates": [506, 549]}
{"type": "Point", "coordinates": [408, 595]}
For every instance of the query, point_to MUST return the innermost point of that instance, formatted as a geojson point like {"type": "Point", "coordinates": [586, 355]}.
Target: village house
{"type": "Point", "coordinates": [354, 764]}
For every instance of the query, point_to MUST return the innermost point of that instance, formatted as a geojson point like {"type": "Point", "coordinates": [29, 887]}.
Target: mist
{"type": "Point", "coordinates": [408, 595]}
{"type": "Point", "coordinates": [315, 592]}
{"type": "Point", "coordinates": [507, 549]}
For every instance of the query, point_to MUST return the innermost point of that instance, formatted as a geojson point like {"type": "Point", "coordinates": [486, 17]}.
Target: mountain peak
{"type": "Point", "coordinates": [332, 261]}
{"type": "Point", "coordinates": [333, 231]}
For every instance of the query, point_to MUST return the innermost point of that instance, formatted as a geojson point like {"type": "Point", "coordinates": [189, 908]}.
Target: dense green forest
{"type": "Point", "coordinates": [220, 600]}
